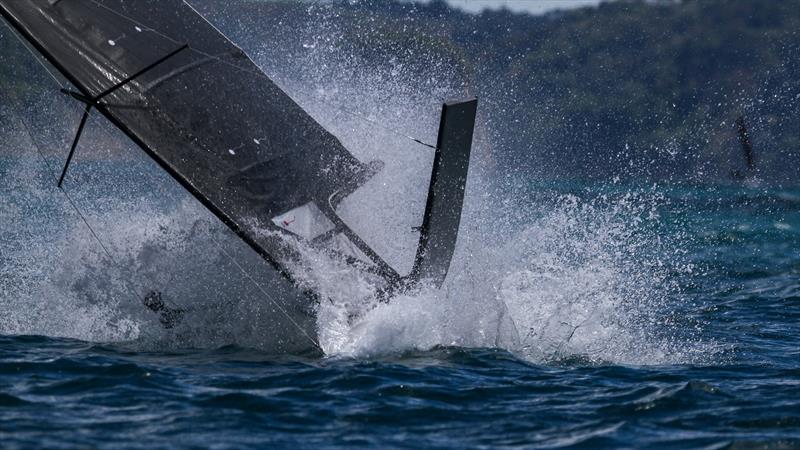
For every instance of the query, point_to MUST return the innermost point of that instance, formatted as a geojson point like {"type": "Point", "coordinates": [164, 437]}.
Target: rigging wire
{"type": "Point", "coordinates": [49, 168]}
{"type": "Point", "coordinates": [260, 72]}
{"type": "Point", "coordinates": [69, 199]}
{"type": "Point", "coordinates": [263, 291]}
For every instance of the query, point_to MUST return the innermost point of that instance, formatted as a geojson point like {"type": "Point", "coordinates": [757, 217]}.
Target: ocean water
{"type": "Point", "coordinates": [660, 316]}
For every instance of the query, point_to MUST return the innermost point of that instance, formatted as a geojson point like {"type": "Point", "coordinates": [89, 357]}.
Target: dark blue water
{"type": "Point", "coordinates": [66, 394]}
{"type": "Point", "coordinates": [736, 315]}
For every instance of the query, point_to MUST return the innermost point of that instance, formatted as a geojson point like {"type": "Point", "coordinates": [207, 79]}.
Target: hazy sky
{"type": "Point", "coordinates": [532, 6]}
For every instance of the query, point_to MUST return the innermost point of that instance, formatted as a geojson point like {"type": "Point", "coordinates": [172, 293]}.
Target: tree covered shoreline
{"type": "Point", "coordinates": [631, 89]}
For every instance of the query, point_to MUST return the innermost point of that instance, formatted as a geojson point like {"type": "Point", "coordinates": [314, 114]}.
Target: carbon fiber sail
{"type": "Point", "coordinates": [200, 107]}
{"type": "Point", "coordinates": [208, 115]}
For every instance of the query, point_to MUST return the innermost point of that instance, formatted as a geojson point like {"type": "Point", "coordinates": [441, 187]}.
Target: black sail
{"type": "Point", "coordinates": [208, 115]}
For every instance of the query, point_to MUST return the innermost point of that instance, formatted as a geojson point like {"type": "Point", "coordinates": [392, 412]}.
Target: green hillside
{"type": "Point", "coordinates": [631, 88]}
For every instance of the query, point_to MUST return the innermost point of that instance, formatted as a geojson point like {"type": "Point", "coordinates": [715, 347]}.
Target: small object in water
{"type": "Point", "coordinates": [169, 317]}
{"type": "Point", "coordinates": [747, 148]}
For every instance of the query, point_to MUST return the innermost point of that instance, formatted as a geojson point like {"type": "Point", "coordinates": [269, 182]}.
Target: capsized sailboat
{"type": "Point", "coordinates": [205, 112]}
